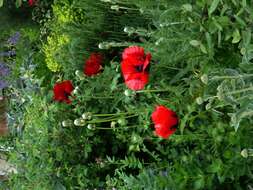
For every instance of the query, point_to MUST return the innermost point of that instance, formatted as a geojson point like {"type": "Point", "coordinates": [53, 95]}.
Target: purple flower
{"type": "Point", "coordinates": [3, 84]}
{"type": "Point", "coordinates": [4, 70]}
{"type": "Point", "coordinates": [13, 40]}
{"type": "Point", "coordinates": [8, 53]}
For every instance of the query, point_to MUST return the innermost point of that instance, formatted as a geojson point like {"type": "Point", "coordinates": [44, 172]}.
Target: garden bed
{"type": "Point", "coordinates": [129, 94]}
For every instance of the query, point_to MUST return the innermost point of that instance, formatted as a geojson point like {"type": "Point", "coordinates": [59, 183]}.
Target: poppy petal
{"type": "Point", "coordinates": [92, 65]}
{"type": "Point", "coordinates": [165, 121]}
{"type": "Point", "coordinates": [163, 131]}
{"type": "Point", "coordinates": [136, 81]}
{"type": "Point", "coordinates": [147, 61]}
{"type": "Point", "coordinates": [62, 91]}
{"type": "Point", "coordinates": [133, 51]}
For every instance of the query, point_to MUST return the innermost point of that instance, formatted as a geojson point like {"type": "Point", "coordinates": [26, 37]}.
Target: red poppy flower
{"type": "Point", "coordinates": [134, 66]}
{"type": "Point", "coordinates": [31, 2]}
{"type": "Point", "coordinates": [165, 121]}
{"type": "Point", "coordinates": [62, 91]}
{"type": "Point", "coordinates": [93, 64]}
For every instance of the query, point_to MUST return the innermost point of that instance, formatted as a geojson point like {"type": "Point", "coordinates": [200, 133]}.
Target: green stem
{"type": "Point", "coordinates": [111, 114]}
{"type": "Point", "coordinates": [109, 120]}
{"type": "Point", "coordinates": [143, 91]}
{"type": "Point", "coordinates": [231, 77]}
{"type": "Point", "coordinates": [105, 128]}
{"type": "Point", "coordinates": [99, 97]}
{"type": "Point", "coordinates": [240, 91]}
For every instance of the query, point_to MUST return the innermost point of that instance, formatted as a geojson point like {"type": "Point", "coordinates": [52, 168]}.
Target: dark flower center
{"type": "Point", "coordinates": [66, 95]}
{"type": "Point", "coordinates": [139, 68]}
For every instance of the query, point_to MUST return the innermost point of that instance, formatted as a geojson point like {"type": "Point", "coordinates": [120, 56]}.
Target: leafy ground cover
{"type": "Point", "coordinates": [129, 94]}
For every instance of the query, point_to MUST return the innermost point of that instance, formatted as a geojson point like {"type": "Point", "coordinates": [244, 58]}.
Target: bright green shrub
{"type": "Point", "coordinates": [53, 50]}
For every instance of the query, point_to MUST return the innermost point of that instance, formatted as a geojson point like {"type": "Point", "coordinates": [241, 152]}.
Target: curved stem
{"type": "Point", "coordinates": [109, 120]}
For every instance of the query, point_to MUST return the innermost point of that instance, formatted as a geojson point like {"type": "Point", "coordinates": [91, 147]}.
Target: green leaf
{"type": "Point", "coordinates": [246, 36]}
{"type": "Point", "coordinates": [209, 43]}
{"type": "Point", "coordinates": [59, 186]}
{"type": "Point", "coordinates": [187, 7]}
{"type": "Point", "coordinates": [1, 3]}
{"type": "Point", "coordinates": [236, 36]}
{"type": "Point", "coordinates": [199, 183]}
{"type": "Point", "coordinates": [195, 43]}
{"type": "Point", "coordinates": [240, 21]}
{"type": "Point", "coordinates": [18, 3]}
{"type": "Point", "coordinates": [244, 3]}
{"type": "Point", "coordinates": [203, 48]}
{"type": "Point", "coordinates": [215, 166]}
{"type": "Point", "coordinates": [213, 6]}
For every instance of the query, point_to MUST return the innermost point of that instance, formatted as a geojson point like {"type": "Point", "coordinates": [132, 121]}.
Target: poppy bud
{"type": "Point", "coordinates": [79, 122]}
{"type": "Point", "coordinates": [115, 7]}
{"type": "Point", "coordinates": [204, 78]}
{"type": "Point", "coordinates": [67, 123]}
{"type": "Point", "coordinates": [113, 124]}
{"type": "Point", "coordinates": [80, 75]}
{"type": "Point", "coordinates": [104, 45]}
{"type": "Point", "coordinates": [75, 91]}
{"type": "Point", "coordinates": [199, 100]}
{"type": "Point", "coordinates": [87, 116]}
{"type": "Point", "coordinates": [129, 30]}
{"type": "Point", "coordinates": [247, 152]}
{"type": "Point", "coordinates": [128, 92]}
{"type": "Point", "coordinates": [244, 153]}
{"type": "Point", "coordinates": [91, 126]}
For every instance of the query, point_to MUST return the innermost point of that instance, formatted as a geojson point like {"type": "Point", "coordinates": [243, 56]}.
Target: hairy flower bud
{"type": "Point", "coordinates": [128, 92]}
{"type": "Point", "coordinates": [75, 91]}
{"type": "Point", "coordinates": [79, 122]}
{"type": "Point", "coordinates": [80, 75]}
{"type": "Point", "coordinates": [199, 100]}
{"type": "Point", "coordinates": [87, 116]}
{"type": "Point", "coordinates": [113, 124]}
{"type": "Point", "coordinates": [91, 126]}
{"type": "Point", "coordinates": [115, 7]}
{"type": "Point", "coordinates": [247, 152]}
{"type": "Point", "coordinates": [244, 153]}
{"type": "Point", "coordinates": [204, 78]}
{"type": "Point", "coordinates": [67, 123]}
{"type": "Point", "coordinates": [104, 45]}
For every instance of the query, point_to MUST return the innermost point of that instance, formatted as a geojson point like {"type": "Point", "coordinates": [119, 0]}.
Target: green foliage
{"type": "Point", "coordinates": [33, 152]}
{"type": "Point", "coordinates": [201, 68]}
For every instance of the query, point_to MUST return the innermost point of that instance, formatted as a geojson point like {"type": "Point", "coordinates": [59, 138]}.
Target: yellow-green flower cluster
{"type": "Point", "coordinates": [63, 14]}
{"type": "Point", "coordinates": [53, 48]}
